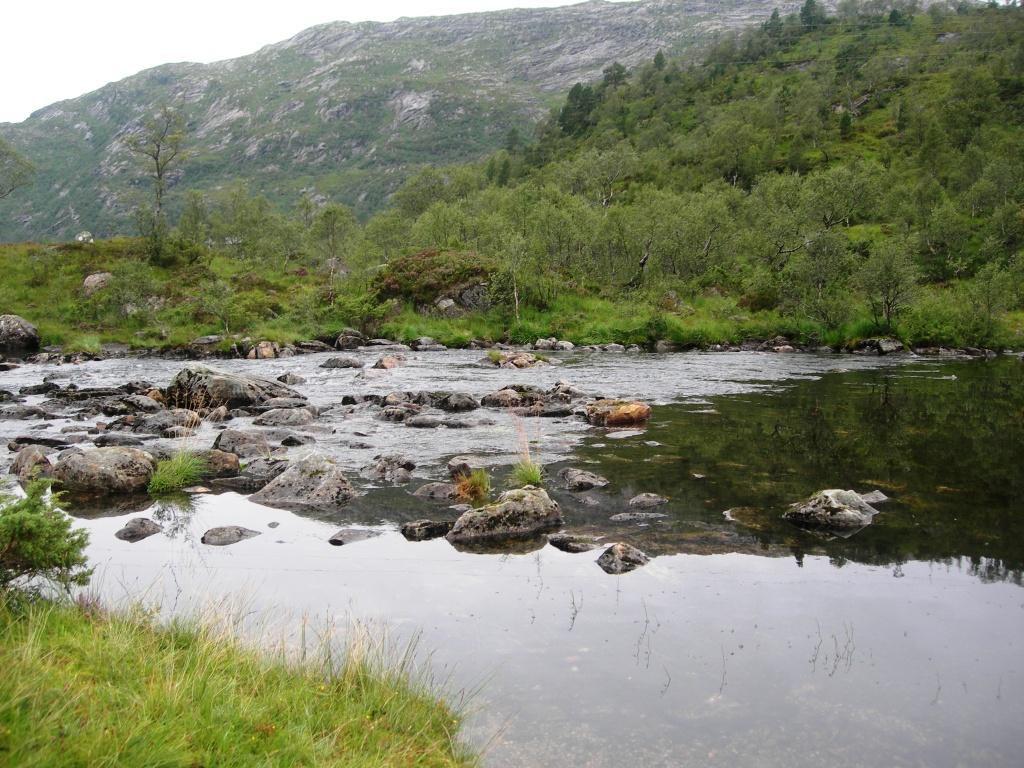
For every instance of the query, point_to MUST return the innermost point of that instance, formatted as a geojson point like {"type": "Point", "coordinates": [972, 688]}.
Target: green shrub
{"type": "Point", "coordinates": [38, 546]}
{"type": "Point", "coordinates": [424, 276]}
{"type": "Point", "coordinates": [183, 469]}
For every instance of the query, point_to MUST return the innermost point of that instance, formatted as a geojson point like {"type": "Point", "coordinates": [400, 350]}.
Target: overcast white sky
{"type": "Point", "coordinates": [57, 49]}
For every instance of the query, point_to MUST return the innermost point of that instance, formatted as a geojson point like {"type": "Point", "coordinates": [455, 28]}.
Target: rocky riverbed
{"type": "Point", "coordinates": [679, 550]}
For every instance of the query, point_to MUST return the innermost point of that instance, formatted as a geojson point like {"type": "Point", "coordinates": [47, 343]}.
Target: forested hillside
{"type": "Point", "coordinates": [340, 111]}
{"type": "Point", "coordinates": [827, 177]}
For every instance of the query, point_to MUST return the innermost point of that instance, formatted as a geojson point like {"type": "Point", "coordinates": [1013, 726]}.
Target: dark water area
{"type": "Point", "coordinates": [944, 441]}
{"type": "Point", "coordinates": [744, 642]}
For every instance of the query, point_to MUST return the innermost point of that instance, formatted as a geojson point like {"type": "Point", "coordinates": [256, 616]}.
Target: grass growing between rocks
{"type": "Point", "coordinates": [527, 472]}
{"type": "Point", "coordinates": [87, 688]}
{"type": "Point", "coordinates": [474, 487]}
{"type": "Point", "coordinates": [183, 469]}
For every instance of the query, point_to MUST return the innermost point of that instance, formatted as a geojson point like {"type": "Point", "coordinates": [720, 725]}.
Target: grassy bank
{"type": "Point", "coordinates": [81, 688]}
{"type": "Point", "coordinates": [149, 306]}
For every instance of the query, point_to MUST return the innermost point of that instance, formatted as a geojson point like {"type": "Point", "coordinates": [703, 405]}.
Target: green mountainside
{"type": "Point", "coordinates": [341, 111]}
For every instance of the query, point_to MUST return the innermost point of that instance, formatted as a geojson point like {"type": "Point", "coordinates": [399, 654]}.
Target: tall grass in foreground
{"type": "Point", "coordinates": [183, 469]}
{"type": "Point", "coordinates": [83, 687]}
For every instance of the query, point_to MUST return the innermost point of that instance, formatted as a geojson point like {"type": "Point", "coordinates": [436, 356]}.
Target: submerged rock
{"type": "Point", "coordinates": [632, 517]}
{"type": "Point", "coordinates": [617, 413]}
{"type": "Point", "coordinates": [647, 501]}
{"type": "Point", "coordinates": [344, 361]}
{"type": "Point", "coordinates": [568, 542]}
{"type": "Point", "coordinates": [104, 470]}
{"type": "Point", "coordinates": [622, 558]}
{"type": "Point", "coordinates": [392, 468]}
{"type": "Point", "coordinates": [199, 385]}
{"type": "Point", "coordinates": [519, 513]}
{"type": "Point", "coordinates": [137, 529]}
{"type": "Point", "coordinates": [312, 482]}
{"type": "Point", "coordinates": [423, 530]}
{"type": "Point", "coordinates": [832, 508]}
{"type": "Point", "coordinates": [352, 535]}
{"type": "Point", "coordinates": [227, 534]}
{"type": "Point", "coordinates": [291, 378]}
{"type": "Point", "coordinates": [581, 480]}
{"type": "Point", "coordinates": [436, 491]}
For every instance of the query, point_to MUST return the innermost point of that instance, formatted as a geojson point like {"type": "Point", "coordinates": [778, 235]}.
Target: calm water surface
{"type": "Point", "coordinates": [745, 642]}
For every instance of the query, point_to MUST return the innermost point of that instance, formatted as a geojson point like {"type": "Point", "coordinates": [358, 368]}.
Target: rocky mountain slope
{"type": "Point", "coordinates": [341, 110]}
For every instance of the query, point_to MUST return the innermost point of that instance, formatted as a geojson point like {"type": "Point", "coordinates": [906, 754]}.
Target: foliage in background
{"type": "Point", "coordinates": [828, 180]}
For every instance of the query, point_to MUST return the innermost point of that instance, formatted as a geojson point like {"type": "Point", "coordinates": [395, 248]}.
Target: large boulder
{"type": "Point", "coordinates": [520, 513]}
{"type": "Point", "coordinates": [621, 558]}
{"type": "Point", "coordinates": [832, 508]}
{"type": "Point", "coordinates": [201, 386]}
{"type": "Point", "coordinates": [314, 481]}
{"type": "Point", "coordinates": [104, 470]}
{"type": "Point", "coordinates": [30, 462]}
{"type": "Point", "coordinates": [617, 413]}
{"type": "Point", "coordinates": [97, 281]}
{"type": "Point", "coordinates": [17, 335]}
{"type": "Point", "coordinates": [243, 443]}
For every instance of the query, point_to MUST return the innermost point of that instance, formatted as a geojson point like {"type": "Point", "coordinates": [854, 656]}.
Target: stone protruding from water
{"type": "Point", "coordinates": [581, 480]}
{"type": "Point", "coordinates": [314, 481]}
{"type": "Point", "coordinates": [103, 471]}
{"type": "Point", "coordinates": [618, 413]}
{"type": "Point", "coordinates": [201, 386]}
{"type": "Point", "coordinates": [520, 513]}
{"type": "Point", "coordinates": [224, 535]}
{"type": "Point", "coordinates": [137, 529]}
{"type": "Point", "coordinates": [423, 530]}
{"type": "Point", "coordinates": [832, 509]}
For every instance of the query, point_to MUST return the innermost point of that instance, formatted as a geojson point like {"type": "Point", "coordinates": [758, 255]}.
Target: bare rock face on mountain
{"type": "Point", "coordinates": [377, 98]}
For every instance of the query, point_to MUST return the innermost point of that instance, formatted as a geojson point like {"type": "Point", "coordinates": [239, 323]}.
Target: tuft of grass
{"type": "Point", "coordinates": [474, 487]}
{"type": "Point", "coordinates": [183, 469]}
{"type": "Point", "coordinates": [86, 687]}
{"type": "Point", "coordinates": [494, 355]}
{"type": "Point", "coordinates": [527, 472]}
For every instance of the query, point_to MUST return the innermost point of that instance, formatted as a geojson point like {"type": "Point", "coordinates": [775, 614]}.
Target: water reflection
{"type": "Point", "coordinates": [944, 441]}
